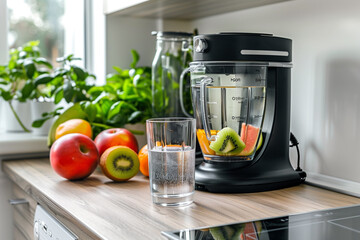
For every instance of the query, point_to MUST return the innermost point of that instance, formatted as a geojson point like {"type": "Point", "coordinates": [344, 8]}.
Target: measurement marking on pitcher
{"type": "Point", "coordinates": [259, 97]}
{"type": "Point", "coordinates": [238, 118]}
{"type": "Point", "coordinates": [235, 79]}
{"type": "Point", "coordinates": [260, 80]}
{"type": "Point", "coordinates": [257, 116]}
{"type": "Point", "coordinates": [239, 99]}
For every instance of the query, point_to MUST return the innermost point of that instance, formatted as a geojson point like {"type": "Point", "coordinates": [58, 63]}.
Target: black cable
{"type": "Point", "coordinates": [295, 143]}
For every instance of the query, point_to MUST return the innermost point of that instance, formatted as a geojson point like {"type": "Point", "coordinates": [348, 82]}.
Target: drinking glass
{"type": "Point", "coordinates": [171, 147]}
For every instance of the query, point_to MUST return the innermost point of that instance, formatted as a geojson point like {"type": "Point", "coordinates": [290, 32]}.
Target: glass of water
{"type": "Point", "coordinates": [171, 147]}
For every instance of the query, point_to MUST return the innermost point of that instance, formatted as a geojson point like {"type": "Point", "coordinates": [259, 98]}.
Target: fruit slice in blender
{"type": "Point", "coordinates": [227, 142]}
{"type": "Point", "coordinates": [249, 135]}
{"type": "Point", "coordinates": [204, 142]}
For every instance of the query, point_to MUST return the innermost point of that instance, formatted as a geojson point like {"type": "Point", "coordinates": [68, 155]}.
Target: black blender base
{"type": "Point", "coordinates": [247, 188]}
{"type": "Point", "coordinates": [245, 180]}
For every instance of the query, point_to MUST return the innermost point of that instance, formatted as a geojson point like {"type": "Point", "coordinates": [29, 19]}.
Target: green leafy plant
{"type": "Point", "coordinates": [24, 77]}
{"type": "Point", "coordinates": [71, 82]}
{"type": "Point", "coordinates": [68, 82]}
{"type": "Point", "coordinates": [124, 99]}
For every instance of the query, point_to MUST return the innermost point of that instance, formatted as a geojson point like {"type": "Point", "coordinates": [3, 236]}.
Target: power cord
{"type": "Point", "coordinates": [295, 143]}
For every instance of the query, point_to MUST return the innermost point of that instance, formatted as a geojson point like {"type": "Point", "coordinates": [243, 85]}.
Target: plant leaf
{"type": "Point", "coordinates": [59, 94]}
{"type": "Point", "coordinates": [90, 110]}
{"type": "Point", "coordinates": [115, 109]}
{"type": "Point", "coordinates": [68, 91]}
{"type": "Point", "coordinates": [27, 89]}
{"type": "Point", "coordinates": [135, 117]}
{"type": "Point", "coordinates": [43, 61]}
{"type": "Point", "coordinates": [29, 68]}
{"type": "Point", "coordinates": [22, 54]}
{"type": "Point", "coordinates": [60, 72]}
{"type": "Point", "coordinates": [43, 79]}
{"type": "Point", "coordinates": [39, 122]}
{"type": "Point", "coordinates": [119, 70]}
{"type": "Point", "coordinates": [60, 59]}
{"type": "Point", "coordinates": [3, 82]}
{"type": "Point", "coordinates": [6, 95]}
{"type": "Point", "coordinates": [105, 107]}
{"type": "Point", "coordinates": [33, 43]}
{"type": "Point", "coordinates": [80, 74]}
{"type": "Point", "coordinates": [136, 58]}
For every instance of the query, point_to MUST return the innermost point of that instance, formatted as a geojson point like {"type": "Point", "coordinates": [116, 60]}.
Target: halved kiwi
{"type": "Point", "coordinates": [119, 163]}
{"type": "Point", "coordinates": [227, 142]}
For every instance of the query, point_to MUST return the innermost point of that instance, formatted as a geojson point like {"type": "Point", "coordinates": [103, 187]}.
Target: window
{"type": "Point", "coordinates": [41, 20]}
{"type": "Point", "coordinates": [62, 26]}
{"type": "Point", "coordinates": [59, 25]}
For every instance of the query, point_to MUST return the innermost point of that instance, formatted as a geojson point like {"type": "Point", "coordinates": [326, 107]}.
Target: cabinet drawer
{"type": "Point", "coordinates": [23, 214]}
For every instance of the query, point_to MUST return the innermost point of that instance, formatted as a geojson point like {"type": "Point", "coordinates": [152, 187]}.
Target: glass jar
{"type": "Point", "coordinates": [173, 54]}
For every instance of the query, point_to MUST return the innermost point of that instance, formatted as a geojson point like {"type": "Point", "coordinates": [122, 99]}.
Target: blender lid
{"type": "Point", "coordinates": [239, 46]}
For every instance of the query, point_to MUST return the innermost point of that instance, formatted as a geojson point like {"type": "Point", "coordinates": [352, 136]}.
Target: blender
{"type": "Point", "coordinates": [240, 86]}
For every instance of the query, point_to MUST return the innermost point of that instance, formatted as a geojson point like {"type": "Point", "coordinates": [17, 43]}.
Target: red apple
{"type": "Point", "coordinates": [115, 137]}
{"type": "Point", "coordinates": [74, 156]}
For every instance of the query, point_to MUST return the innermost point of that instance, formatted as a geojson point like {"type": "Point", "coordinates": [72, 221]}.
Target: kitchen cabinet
{"type": "Point", "coordinates": [23, 214]}
{"type": "Point", "coordinates": [24, 211]}
{"type": "Point", "coordinates": [97, 208]}
{"type": "Point", "coordinates": [15, 146]}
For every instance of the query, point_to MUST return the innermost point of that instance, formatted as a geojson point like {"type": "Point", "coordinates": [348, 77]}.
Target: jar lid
{"type": "Point", "coordinates": [171, 34]}
{"type": "Point", "coordinates": [232, 46]}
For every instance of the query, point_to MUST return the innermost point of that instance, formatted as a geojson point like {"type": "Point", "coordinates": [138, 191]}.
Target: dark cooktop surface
{"type": "Point", "coordinates": [339, 223]}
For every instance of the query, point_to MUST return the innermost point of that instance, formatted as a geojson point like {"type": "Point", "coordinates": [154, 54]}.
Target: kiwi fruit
{"type": "Point", "coordinates": [227, 232]}
{"type": "Point", "coordinates": [227, 142]}
{"type": "Point", "coordinates": [119, 163]}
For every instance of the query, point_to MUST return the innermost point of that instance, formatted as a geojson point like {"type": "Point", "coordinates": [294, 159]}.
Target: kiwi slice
{"type": "Point", "coordinates": [119, 163]}
{"type": "Point", "coordinates": [227, 142]}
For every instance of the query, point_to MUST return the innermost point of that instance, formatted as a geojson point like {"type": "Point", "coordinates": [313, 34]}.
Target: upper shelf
{"type": "Point", "coordinates": [179, 9]}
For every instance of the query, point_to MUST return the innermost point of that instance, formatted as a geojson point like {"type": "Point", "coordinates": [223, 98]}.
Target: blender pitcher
{"type": "Point", "coordinates": [229, 103]}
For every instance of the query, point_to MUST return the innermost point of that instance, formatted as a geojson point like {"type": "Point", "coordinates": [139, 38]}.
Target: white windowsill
{"type": "Point", "coordinates": [21, 144]}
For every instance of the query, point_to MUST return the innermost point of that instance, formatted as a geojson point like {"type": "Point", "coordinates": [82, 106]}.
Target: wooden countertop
{"type": "Point", "coordinates": [103, 209]}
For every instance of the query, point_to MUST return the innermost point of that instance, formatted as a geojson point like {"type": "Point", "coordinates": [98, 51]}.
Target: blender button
{"type": "Point", "coordinates": [200, 45]}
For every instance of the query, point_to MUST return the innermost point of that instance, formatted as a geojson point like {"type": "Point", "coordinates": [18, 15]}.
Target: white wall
{"type": "Point", "coordinates": [325, 113]}
{"type": "Point", "coordinates": [125, 33]}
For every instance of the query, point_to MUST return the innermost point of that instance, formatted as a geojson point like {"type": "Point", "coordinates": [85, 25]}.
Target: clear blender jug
{"type": "Point", "coordinates": [229, 103]}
